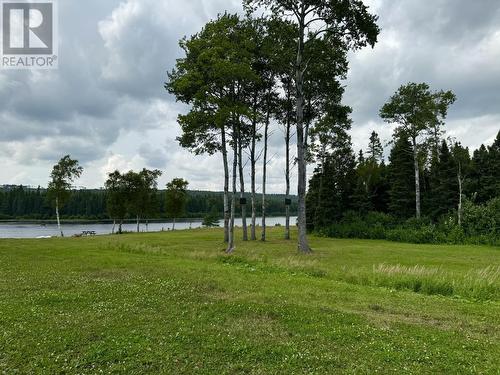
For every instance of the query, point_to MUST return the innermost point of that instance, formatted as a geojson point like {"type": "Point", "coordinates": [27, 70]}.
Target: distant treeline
{"type": "Point", "coordinates": [20, 202]}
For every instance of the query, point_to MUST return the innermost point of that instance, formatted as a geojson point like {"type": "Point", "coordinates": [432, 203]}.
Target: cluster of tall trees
{"type": "Point", "coordinates": [243, 76]}
{"type": "Point", "coordinates": [132, 194]}
{"type": "Point", "coordinates": [448, 174]}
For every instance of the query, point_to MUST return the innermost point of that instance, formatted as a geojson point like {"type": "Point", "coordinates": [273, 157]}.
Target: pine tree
{"type": "Point", "coordinates": [481, 179]}
{"type": "Point", "coordinates": [401, 177]}
{"type": "Point", "coordinates": [375, 149]}
{"type": "Point", "coordinates": [444, 192]}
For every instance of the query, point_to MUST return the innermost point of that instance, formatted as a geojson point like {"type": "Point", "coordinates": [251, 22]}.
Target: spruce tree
{"type": "Point", "coordinates": [375, 149]}
{"type": "Point", "coordinates": [443, 196]}
{"type": "Point", "coordinates": [401, 177]}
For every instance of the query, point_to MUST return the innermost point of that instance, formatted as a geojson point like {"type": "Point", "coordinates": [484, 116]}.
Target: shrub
{"type": "Point", "coordinates": [480, 225]}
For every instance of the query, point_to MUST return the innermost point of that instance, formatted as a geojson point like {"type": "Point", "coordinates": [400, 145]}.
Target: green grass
{"type": "Point", "coordinates": [173, 303]}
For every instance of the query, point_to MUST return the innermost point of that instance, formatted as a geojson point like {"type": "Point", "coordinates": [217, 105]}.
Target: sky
{"type": "Point", "coordinates": [106, 106]}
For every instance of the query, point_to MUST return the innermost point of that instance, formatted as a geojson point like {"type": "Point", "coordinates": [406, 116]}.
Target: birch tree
{"type": "Point", "coordinates": [64, 173]}
{"type": "Point", "coordinates": [416, 109]}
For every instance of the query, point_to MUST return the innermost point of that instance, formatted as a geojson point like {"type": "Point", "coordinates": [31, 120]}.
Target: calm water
{"type": "Point", "coordinates": [25, 230]}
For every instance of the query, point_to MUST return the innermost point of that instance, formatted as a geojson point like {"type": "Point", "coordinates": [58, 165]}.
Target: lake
{"type": "Point", "coordinates": [31, 230]}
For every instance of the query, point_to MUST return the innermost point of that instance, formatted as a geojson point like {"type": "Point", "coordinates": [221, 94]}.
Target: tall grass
{"type": "Point", "coordinates": [480, 284]}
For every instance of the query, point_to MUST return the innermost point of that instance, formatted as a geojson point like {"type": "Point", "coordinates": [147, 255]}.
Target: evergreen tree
{"type": "Point", "coordinates": [375, 149]}
{"type": "Point", "coordinates": [401, 177]}
{"type": "Point", "coordinates": [481, 179]}
{"type": "Point", "coordinates": [443, 183]}
{"type": "Point", "coordinates": [332, 185]}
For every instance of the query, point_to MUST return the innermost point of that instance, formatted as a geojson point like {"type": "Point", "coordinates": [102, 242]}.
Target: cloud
{"type": "Point", "coordinates": [107, 107]}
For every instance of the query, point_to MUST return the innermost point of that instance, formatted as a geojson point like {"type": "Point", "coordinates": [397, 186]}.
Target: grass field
{"type": "Point", "coordinates": [174, 303]}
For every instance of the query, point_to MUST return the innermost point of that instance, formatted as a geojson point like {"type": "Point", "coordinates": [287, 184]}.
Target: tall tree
{"type": "Point", "coordinates": [333, 181]}
{"type": "Point", "coordinates": [481, 177]}
{"type": "Point", "coordinates": [444, 184]}
{"type": "Point", "coordinates": [64, 173]}
{"type": "Point", "coordinates": [401, 177]}
{"type": "Point", "coordinates": [141, 191]}
{"type": "Point", "coordinates": [116, 202]}
{"type": "Point", "coordinates": [176, 198]}
{"type": "Point", "coordinates": [209, 79]}
{"type": "Point", "coordinates": [462, 161]}
{"type": "Point", "coordinates": [416, 109]}
{"type": "Point", "coordinates": [284, 36]}
{"type": "Point", "coordinates": [375, 149]}
{"type": "Point", "coordinates": [333, 21]}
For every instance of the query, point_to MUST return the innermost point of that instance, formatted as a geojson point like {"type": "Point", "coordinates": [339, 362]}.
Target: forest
{"type": "Point", "coordinates": [28, 203]}
{"type": "Point", "coordinates": [364, 197]}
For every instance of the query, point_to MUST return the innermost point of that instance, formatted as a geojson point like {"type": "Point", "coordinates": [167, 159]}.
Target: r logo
{"type": "Point", "coordinates": [28, 28]}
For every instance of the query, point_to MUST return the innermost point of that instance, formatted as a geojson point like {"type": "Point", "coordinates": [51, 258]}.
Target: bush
{"type": "Point", "coordinates": [480, 225]}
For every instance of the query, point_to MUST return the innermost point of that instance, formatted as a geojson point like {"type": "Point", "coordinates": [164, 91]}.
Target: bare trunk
{"type": "Point", "coordinates": [147, 225]}
{"type": "Point", "coordinates": [226, 187]}
{"type": "Point", "coordinates": [114, 226]}
{"type": "Point", "coordinates": [303, 245]}
{"type": "Point", "coordinates": [264, 171]}
{"type": "Point", "coordinates": [58, 218]}
{"type": "Point", "coordinates": [138, 224]}
{"type": "Point", "coordinates": [242, 190]}
{"type": "Point", "coordinates": [173, 224]}
{"type": "Point", "coordinates": [287, 169]}
{"type": "Point", "coordinates": [253, 162]}
{"type": "Point", "coordinates": [417, 178]}
{"type": "Point", "coordinates": [320, 190]}
{"type": "Point", "coordinates": [120, 231]}
{"type": "Point", "coordinates": [230, 246]}
{"type": "Point", "coordinates": [460, 190]}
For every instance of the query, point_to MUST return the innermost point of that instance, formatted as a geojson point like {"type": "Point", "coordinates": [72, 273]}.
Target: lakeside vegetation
{"type": "Point", "coordinates": [30, 203]}
{"type": "Point", "coordinates": [175, 303]}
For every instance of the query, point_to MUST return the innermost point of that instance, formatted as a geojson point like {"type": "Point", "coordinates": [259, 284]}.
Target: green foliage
{"type": "Point", "coordinates": [443, 196]}
{"type": "Point", "coordinates": [402, 179]}
{"type": "Point", "coordinates": [116, 202]}
{"type": "Point", "coordinates": [415, 108]}
{"type": "Point", "coordinates": [176, 198]}
{"type": "Point", "coordinates": [480, 225]}
{"type": "Point", "coordinates": [21, 202]}
{"type": "Point", "coordinates": [64, 173]}
{"type": "Point", "coordinates": [211, 220]}
{"type": "Point", "coordinates": [141, 192]}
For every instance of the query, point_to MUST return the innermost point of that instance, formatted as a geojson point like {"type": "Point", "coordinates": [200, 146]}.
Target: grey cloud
{"type": "Point", "coordinates": [107, 96]}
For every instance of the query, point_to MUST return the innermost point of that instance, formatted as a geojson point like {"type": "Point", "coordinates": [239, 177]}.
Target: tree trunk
{"type": "Point", "coordinates": [147, 225]}
{"type": "Point", "coordinates": [287, 168]}
{"type": "Point", "coordinates": [113, 229]}
{"type": "Point", "coordinates": [242, 189]}
{"type": "Point", "coordinates": [173, 224]}
{"type": "Point", "coordinates": [253, 235]}
{"type": "Point", "coordinates": [264, 171]}
{"type": "Point", "coordinates": [58, 218]}
{"type": "Point", "coordinates": [138, 224]}
{"type": "Point", "coordinates": [303, 245]}
{"type": "Point", "coordinates": [417, 178]}
{"type": "Point", "coordinates": [120, 231]}
{"type": "Point", "coordinates": [230, 246]}
{"type": "Point", "coordinates": [460, 190]}
{"type": "Point", "coordinates": [226, 187]}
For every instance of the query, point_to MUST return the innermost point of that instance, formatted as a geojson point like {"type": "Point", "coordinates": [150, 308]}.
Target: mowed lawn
{"type": "Point", "coordinates": [174, 303]}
